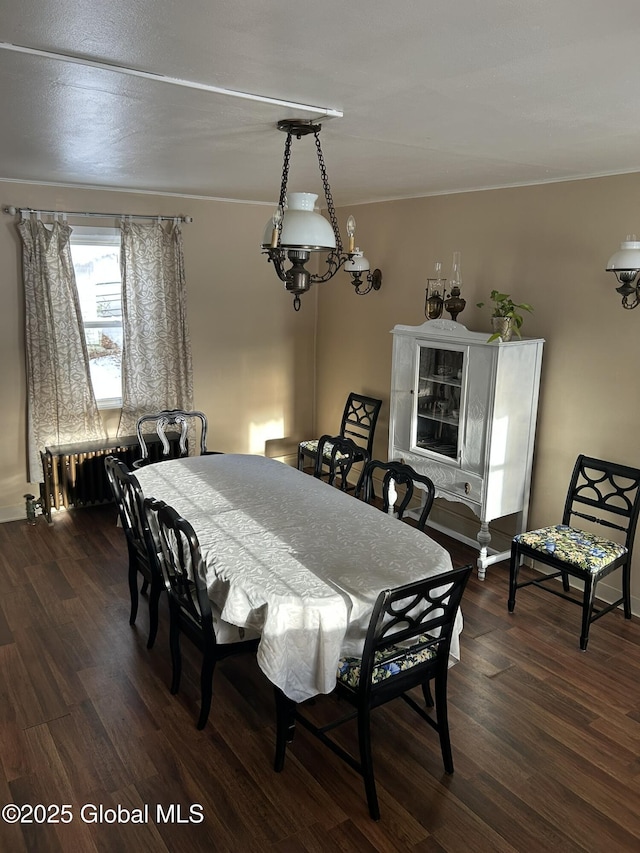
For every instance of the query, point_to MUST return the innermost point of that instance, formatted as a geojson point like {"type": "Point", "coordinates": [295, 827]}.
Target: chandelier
{"type": "Point", "coordinates": [295, 230]}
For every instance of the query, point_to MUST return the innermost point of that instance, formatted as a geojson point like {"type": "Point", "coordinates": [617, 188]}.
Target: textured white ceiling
{"type": "Point", "coordinates": [437, 96]}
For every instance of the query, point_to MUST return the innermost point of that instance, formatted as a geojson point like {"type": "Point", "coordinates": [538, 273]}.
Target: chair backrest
{"type": "Point", "coordinates": [338, 454]}
{"type": "Point", "coordinates": [130, 503]}
{"type": "Point", "coordinates": [178, 549]}
{"type": "Point", "coordinates": [172, 419]}
{"type": "Point", "coordinates": [359, 420]}
{"type": "Point", "coordinates": [418, 615]}
{"type": "Point", "coordinates": [604, 493]}
{"type": "Point", "coordinates": [397, 474]}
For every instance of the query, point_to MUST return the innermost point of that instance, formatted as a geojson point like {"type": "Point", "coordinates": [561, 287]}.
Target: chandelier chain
{"type": "Point", "coordinates": [327, 194]}
{"type": "Point", "coordinates": [285, 178]}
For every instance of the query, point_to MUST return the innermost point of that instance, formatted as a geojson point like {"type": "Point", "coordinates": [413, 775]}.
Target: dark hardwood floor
{"type": "Point", "coordinates": [546, 739]}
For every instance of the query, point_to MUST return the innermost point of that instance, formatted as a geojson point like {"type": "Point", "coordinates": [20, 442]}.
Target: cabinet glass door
{"type": "Point", "coordinates": [438, 398]}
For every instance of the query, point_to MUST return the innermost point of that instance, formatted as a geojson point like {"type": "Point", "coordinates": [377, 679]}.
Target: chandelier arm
{"type": "Point", "coordinates": [334, 262]}
{"type": "Point", "coordinates": [327, 194]}
{"type": "Point", "coordinates": [276, 256]}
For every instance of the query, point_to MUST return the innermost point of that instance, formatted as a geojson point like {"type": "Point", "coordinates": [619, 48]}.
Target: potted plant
{"type": "Point", "coordinates": [506, 318]}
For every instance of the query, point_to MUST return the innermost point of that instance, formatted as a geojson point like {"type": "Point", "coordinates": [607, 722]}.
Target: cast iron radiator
{"type": "Point", "coordinates": [74, 474]}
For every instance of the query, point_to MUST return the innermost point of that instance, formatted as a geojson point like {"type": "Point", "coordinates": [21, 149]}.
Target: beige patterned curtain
{"type": "Point", "coordinates": [61, 406]}
{"type": "Point", "coordinates": [156, 356]}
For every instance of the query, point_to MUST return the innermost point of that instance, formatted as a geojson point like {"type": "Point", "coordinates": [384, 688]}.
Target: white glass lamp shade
{"type": "Point", "coordinates": [627, 257]}
{"type": "Point", "coordinates": [302, 227]}
{"type": "Point", "coordinates": [358, 263]}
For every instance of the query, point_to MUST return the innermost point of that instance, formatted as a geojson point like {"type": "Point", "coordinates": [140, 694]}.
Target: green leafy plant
{"type": "Point", "coordinates": [504, 306]}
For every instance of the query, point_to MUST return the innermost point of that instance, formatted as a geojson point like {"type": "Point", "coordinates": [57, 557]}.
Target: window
{"type": "Point", "coordinates": [96, 260]}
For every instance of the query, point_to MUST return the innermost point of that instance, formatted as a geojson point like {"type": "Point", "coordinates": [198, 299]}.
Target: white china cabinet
{"type": "Point", "coordinates": [463, 411]}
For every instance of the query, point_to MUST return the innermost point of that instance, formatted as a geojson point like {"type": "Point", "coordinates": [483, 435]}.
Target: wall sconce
{"type": "Point", "coordinates": [356, 266]}
{"type": "Point", "coordinates": [455, 304]}
{"type": "Point", "coordinates": [625, 264]}
{"type": "Point", "coordinates": [435, 293]}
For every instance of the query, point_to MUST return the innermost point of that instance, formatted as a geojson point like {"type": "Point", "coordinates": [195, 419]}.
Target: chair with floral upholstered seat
{"type": "Point", "coordinates": [603, 494]}
{"type": "Point", "coordinates": [407, 644]}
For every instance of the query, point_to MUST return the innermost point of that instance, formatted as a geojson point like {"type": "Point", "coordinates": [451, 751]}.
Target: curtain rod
{"type": "Point", "coordinates": [11, 210]}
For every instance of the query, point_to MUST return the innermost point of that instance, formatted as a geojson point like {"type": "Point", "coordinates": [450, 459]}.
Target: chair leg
{"type": "Point", "coordinates": [626, 589]}
{"type": "Point", "coordinates": [154, 602]}
{"type": "Point", "coordinates": [285, 726]}
{"type": "Point", "coordinates": [174, 645]}
{"type": "Point", "coordinates": [366, 761]}
{"type": "Point", "coordinates": [206, 684]}
{"type": "Point", "coordinates": [133, 590]}
{"type": "Point", "coordinates": [514, 568]}
{"type": "Point", "coordinates": [426, 692]}
{"type": "Point", "coordinates": [303, 456]}
{"type": "Point", "coordinates": [144, 587]}
{"type": "Point", "coordinates": [442, 714]}
{"type": "Point", "coordinates": [587, 607]}
{"type": "Point", "coordinates": [565, 581]}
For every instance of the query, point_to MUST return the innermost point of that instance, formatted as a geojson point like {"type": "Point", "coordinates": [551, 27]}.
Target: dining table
{"type": "Point", "coordinates": [293, 558]}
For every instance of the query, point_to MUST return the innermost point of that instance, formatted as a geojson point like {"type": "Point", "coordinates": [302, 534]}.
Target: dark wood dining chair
{"type": "Point", "coordinates": [130, 503]}
{"type": "Point", "coordinates": [399, 485]}
{"type": "Point", "coordinates": [190, 609]}
{"type": "Point", "coordinates": [335, 458]}
{"type": "Point", "coordinates": [407, 644]}
{"type": "Point", "coordinates": [172, 426]}
{"type": "Point", "coordinates": [358, 423]}
{"type": "Point", "coordinates": [397, 490]}
{"type": "Point", "coordinates": [600, 493]}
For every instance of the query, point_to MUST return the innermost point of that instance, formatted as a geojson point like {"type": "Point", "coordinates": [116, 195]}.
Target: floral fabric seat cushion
{"type": "Point", "coordinates": [312, 447]}
{"type": "Point", "coordinates": [349, 667]}
{"type": "Point", "coordinates": [576, 547]}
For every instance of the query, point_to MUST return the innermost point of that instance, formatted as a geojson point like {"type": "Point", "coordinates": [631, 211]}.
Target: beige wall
{"type": "Point", "coordinates": [253, 356]}
{"type": "Point", "coordinates": [547, 245]}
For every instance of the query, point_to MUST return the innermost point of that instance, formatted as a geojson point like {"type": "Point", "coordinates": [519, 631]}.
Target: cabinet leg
{"type": "Point", "coordinates": [484, 540]}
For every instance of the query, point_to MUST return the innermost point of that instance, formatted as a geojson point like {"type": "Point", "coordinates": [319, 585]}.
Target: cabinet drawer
{"type": "Point", "coordinates": [461, 485]}
{"type": "Point", "coordinates": [465, 486]}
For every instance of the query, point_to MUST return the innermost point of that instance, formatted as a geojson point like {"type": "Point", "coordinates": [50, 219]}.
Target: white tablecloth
{"type": "Point", "coordinates": [294, 558]}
